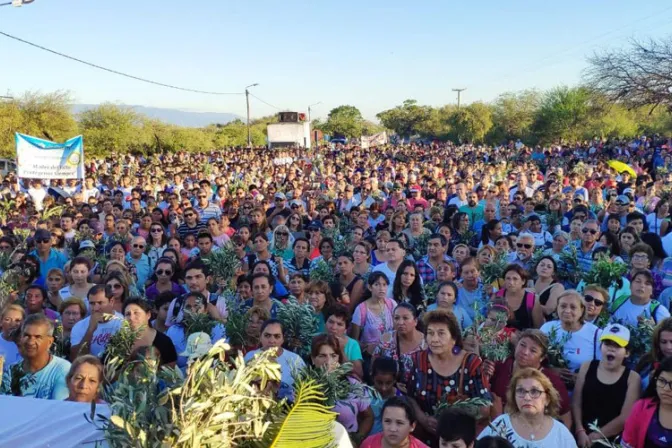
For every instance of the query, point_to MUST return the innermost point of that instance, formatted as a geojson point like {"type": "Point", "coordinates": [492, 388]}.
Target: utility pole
{"type": "Point", "coordinates": [319, 102]}
{"type": "Point", "coordinates": [247, 100]}
{"type": "Point", "coordinates": [459, 91]}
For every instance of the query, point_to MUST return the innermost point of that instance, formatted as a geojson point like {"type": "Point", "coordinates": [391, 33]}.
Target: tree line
{"type": "Point", "coordinates": [626, 92]}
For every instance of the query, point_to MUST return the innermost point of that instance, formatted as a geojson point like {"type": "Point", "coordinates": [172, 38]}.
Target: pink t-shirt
{"type": "Point", "coordinates": [376, 441]}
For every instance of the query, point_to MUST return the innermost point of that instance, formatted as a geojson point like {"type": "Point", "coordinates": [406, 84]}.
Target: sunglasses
{"type": "Point", "coordinates": [592, 231]}
{"type": "Point", "coordinates": [202, 197]}
{"type": "Point", "coordinates": [166, 272]}
{"type": "Point", "coordinates": [282, 234]}
{"type": "Point", "coordinates": [590, 298]}
{"type": "Point", "coordinates": [157, 230]}
{"type": "Point", "coordinates": [43, 241]}
{"type": "Point", "coordinates": [188, 215]}
{"type": "Point", "coordinates": [139, 246]}
{"type": "Point", "coordinates": [526, 246]}
{"type": "Point", "coordinates": [115, 286]}
{"type": "Point", "coordinates": [294, 206]}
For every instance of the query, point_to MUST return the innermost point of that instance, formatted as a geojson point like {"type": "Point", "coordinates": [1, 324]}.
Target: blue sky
{"type": "Point", "coordinates": [371, 54]}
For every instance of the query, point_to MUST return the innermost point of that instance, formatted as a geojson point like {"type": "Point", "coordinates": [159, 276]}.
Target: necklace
{"type": "Point", "coordinates": [532, 428]}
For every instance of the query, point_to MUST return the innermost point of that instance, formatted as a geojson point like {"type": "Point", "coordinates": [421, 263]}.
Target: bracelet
{"type": "Point", "coordinates": [580, 430]}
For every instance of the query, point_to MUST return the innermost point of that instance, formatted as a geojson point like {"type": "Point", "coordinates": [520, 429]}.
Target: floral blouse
{"type": "Point", "coordinates": [388, 348]}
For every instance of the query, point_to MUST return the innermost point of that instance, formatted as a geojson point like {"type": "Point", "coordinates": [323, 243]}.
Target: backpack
{"type": "Point", "coordinates": [620, 301]}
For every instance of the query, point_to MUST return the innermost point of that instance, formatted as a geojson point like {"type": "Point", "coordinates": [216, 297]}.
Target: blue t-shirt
{"type": "Point", "coordinates": [48, 383]}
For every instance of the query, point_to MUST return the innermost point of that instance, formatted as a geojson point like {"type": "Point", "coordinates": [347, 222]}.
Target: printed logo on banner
{"type": "Point", "coordinates": [44, 159]}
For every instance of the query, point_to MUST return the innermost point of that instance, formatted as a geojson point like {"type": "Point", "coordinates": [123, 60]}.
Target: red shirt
{"type": "Point", "coordinates": [499, 383]}
{"type": "Point", "coordinates": [376, 441]}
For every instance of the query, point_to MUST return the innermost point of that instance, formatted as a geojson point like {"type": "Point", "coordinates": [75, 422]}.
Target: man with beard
{"type": "Point", "coordinates": [524, 251]}
{"type": "Point", "coordinates": [473, 209]}
{"type": "Point", "coordinates": [41, 374]}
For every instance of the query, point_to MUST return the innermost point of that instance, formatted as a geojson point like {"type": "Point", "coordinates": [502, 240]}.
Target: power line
{"type": "Point", "coordinates": [116, 72]}
{"type": "Point", "coordinates": [268, 104]}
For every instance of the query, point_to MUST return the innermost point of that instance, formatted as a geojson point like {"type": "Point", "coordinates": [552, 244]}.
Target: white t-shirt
{"type": "Point", "coordinates": [100, 337]}
{"type": "Point", "coordinates": [629, 312]}
{"type": "Point", "coordinates": [288, 361]}
{"type": "Point", "coordinates": [558, 436]}
{"type": "Point", "coordinates": [584, 345]}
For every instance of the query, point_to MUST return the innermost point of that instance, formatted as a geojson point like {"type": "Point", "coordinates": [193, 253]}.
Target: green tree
{"type": "Point", "coordinates": [346, 120]}
{"type": "Point", "coordinates": [513, 115]}
{"type": "Point", "coordinates": [437, 123]}
{"type": "Point", "coordinates": [45, 116]}
{"type": "Point", "coordinates": [406, 119]}
{"type": "Point", "coordinates": [472, 123]}
{"type": "Point", "coordinates": [565, 114]}
{"type": "Point", "coordinates": [113, 129]}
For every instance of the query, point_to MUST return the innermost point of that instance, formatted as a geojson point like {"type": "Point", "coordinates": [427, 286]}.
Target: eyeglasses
{"type": "Point", "coordinates": [115, 286]}
{"type": "Point", "coordinates": [279, 199]}
{"type": "Point", "coordinates": [526, 246]}
{"type": "Point", "coordinates": [663, 383]}
{"type": "Point", "coordinates": [640, 257]}
{"type": "Point", "coordinates": [246, 207]}
{"type": "Point", "coordinates": [294, 206]}
{"type": "Point", "coordinates": [157, 230]}
{"type": "Point", "coordinates": [43, 241]}
{"type": "Point", "coordinates": [592, 231]}
{"type": "Point", "coordinates": [620, 203]}
{"type": "Point", "coordinates": [166, 272]}
{"type": "Point", "coordinates": [72, 313]}
{"type": "Point", "coordinates": [588, 298]}
{"type": "Point", "coordinates": [533, 393]}
{"type": "Point", "coordinates": [138, 246]}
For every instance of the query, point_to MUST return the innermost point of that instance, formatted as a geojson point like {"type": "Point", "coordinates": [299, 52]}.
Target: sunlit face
{"type": "Point", "coordinates": [396, 426]}
{"type": "Point", "coordinates": [196, 280]}
{"type": "Point", "coordinates": [524, 248]}
{"type": "Point", "coordinates": [317, 300]}
{"type": "Point", "coordinates": [665, 343]}
{"type": "Point", "coordinates": [84, 384]}
{"type": "Point", "coordinates": [439, 339]}
{"type": "Point", "coordinates": [117, 253]}
{"type": "Point", "coordinates": [502, 245]}
{"type": "Point", "coordinates": [404, 321]}
{"type": "Point", "coordinates": [640, 260]}
{"type": "Point", "coordinates": [35, 341]}
{"type": "Point", "coordinates": [664, 388]}
{"type": "Point", "coordinates": [484, 257]}
{"type": "Point", "coordinates": [326, 250]}
{"type": "Point", "coordinates": [326, 358]}
{"type": "Point", "coordinates": [360, 254]}
{"type": "Point", "coordinates": [531, 398]}
{"type": "Point", "coordinates": [55, 282]}
{"type": "Point", "coordinates": [34, 300]}
{"type": "Point", "coordinates": [379, 289]}
{"type": "Point", "coordinates": [11, 321]}
{"type": "Point", "coordinates": [627, 240]}
{"type": "Point", "coordinates": [244, 290]}
{"type": "Point", "coordinates": [460, 253]}
{"type": "Point", "coordinates": [79, 273]}
{"type": "Point", "coordinates": [513, 281]}
{"type": "Point", "coordinates": [641, 287]}
{"type": "Point", "coordinates": [528, 353]}
{"type": "Point", "coordinates": [470, 274]}
{"type": "Point", "coordinates": [345, 266]}
{"type": "Point", "coordinates": [136, 316]}
{"type": "Point", "coordinates": [445, 298]}
{"type": "Point", "coordinates": [194, 305]}
{"type": "Point", "coordinates": [71, 315]}
{"type": "Point", "coordinates": [545, 268]}
{"type": "Point", "coordinates": [594, 303]}
{"type": "Point", "coordinates": [261, 289]}
{"type": "Point", "coordinates": [570, 309]}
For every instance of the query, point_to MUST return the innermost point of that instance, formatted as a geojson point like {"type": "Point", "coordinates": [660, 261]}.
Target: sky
{"type": "Point", "coordinates": [371, 54]}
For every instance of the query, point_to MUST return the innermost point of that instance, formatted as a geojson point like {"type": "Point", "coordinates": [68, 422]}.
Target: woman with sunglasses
{"type": "Point", "coordinates": [281, 243]}
{"type": "Point", "coordinates": [157, 242]}
{"type": "Point", "coordinates": [650, 422]}
{"type": "Point", "coordinates": [165, 275]}
{"type": "Point", "coordinates": [117, 284]}
{"type": "Point", "coordinates": [595, 298]}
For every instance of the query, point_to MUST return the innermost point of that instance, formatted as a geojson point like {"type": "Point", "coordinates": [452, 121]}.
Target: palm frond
{"type": "Point", "coordinates": [309, 423]}
{"type": "Point", "coordinates": [300, 323]}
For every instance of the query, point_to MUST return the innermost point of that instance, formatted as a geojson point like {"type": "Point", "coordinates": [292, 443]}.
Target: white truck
{"type": "Point", "coordinates": [282, 135]}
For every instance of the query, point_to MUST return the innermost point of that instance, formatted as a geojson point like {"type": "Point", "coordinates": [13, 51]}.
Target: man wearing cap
{"type": "Point", "coordinates": [49, 257]}
{"type": "Point", "coordinates": [395, 197]}
{"type": "Point", "coordinates": [623, 204]}
{"type": "Point", "coordinates": [279, 207]}
{"type": "Point", "coordinates": [416, 199]}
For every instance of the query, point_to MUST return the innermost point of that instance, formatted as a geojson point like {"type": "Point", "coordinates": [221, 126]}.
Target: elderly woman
{"type": "Point", "coordinates": [72, 311]}
{"type": "Point", "coordinates": [443, 372]}
{"type": "Point", "coordinates": [532, 405]}
{"type": "Point", "coordinates": [595, 297]}
{"type": "Point", "coordinates": [281, 243]}
{"type": "Point", "coordinates": [12, 318]}
{"type": "Point", "coordinates": [85, 379]}
{"type": "Point", "coordinates": [579, 339]}
{"type": "Point", "coordinates": [530, 352]}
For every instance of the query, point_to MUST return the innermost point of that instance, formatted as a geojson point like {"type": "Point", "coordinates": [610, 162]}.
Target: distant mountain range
{"type": "Point", "coordinates": [172, 116]}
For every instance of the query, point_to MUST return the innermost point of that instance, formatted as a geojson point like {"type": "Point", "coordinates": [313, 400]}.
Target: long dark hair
{"type": "Point", "coordinates": [486, 229]}
{"type": "Point", "coordinates": [414, 291]}
{"type": "Point", "coordinates": [651, 390]}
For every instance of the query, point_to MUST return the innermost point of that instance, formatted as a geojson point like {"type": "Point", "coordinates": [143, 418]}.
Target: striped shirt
{"type": "Point", "coordinates": [209, 211]}
{"type": "Point", "coordinates": [183, 230]}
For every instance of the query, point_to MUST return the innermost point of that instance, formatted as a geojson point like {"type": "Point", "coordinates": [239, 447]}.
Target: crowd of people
{"type": "Point", "coordinates": [452, 280]}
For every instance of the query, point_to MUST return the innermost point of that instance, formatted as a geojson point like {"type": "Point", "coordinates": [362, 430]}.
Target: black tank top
{"type": "Point", "coordinates": [602, 402]}
{"type": "Point", "coordinates": [543, 299]}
